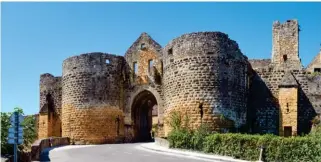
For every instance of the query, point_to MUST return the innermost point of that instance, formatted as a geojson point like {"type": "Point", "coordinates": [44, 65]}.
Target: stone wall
{"type": "Point", "coordinates": [288, 100]}
{"type": "Point", "coordinates": [286, 44]}
{"type": "Point", "coordinates": [205, 77]}
{"type": "Point", "coordinates": [53, 86]}
{"type": "Point", "coordinates": [93, 125]}
{"type": "Point", "coordinates": [49, 122]}
{"type": "Point", "coordinates": [43, 126]}
{"type": "Point", "coordinates": [41, 144]}
{"type": "Point", "coordinates": [264, 104]}
{"type": "Point", "coordinates": [91, 99]}
{"type": "Point", "coordinates": [49, 125]}
{"type": "Point", "coordinates": [260, 63]}
{"type": "Point", "coordinates": [148, 77]}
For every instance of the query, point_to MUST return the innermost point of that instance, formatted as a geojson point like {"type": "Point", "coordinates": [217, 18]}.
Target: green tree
{"type": "Point", "coordinates": [5, 124]}
{"type": "Point", "coordinates": [29, 130]}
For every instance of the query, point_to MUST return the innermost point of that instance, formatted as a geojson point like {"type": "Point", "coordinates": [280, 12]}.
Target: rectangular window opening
{"type": "Point", "coordinates": [135, 67]}
{"type": "Point", "coordinates": [150, 66]}
{"type": "Point", "coordinates": [317, 70]}
{"type": "Point", "coordinates": [170, 51]}
{"type": "Point", "coordinates": [107, 61]}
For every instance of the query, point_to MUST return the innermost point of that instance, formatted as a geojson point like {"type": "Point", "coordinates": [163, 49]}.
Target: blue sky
{"type": "Point", "coordinates": [37, 37]}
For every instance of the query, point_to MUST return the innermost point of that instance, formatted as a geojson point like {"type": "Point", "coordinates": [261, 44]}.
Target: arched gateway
{"type": "Point", "coordinates": [142, 115]}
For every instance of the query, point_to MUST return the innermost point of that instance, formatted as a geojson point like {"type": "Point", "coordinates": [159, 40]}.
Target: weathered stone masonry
{"type": "Point", "coordinates": [50, 106]}
{"type": "Point", "coordinates": [265, 96]}
{"type": "Point", "coordinates": [205, 77]}
{"type": "Point", "coordinates": [104, 98]}
{"type": "Point", "coordinates": [91, 98]}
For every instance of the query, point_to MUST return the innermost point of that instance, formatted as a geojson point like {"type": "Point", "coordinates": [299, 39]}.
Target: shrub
{"type": "Point", "coordinates": [247, 147]}
{"type": "Point", "coordinates": [175, 120]}
{"type": "Point", "coordinates": [199, 136]}
{"type": "Point", "coordinates": [180, 138]}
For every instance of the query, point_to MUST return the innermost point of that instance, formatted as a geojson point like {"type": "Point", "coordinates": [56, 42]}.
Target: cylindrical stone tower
{"type": "Point", "coordinates": [205, 78]}
{"type": "Point", "coordinates": [91, 98]}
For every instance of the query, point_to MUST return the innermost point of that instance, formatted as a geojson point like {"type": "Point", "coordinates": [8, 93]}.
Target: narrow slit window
{"type": "Point", "coordinates": [150, 65]}
{"type": "Point", "coordinates": [135, 67]}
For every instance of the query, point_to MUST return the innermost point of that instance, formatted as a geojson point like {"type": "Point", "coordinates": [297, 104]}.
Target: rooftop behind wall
{"type": "Point", "coordinates": [316, 63]}
{"type": "Point", "coordinates": [259, 63]}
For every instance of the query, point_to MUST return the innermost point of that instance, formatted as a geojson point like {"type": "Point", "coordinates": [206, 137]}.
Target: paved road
{"type": "Point", "coordinates": [111, 153]}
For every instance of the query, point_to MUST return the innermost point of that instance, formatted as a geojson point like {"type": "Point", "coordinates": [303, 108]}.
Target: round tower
{"type": "Point", "coordinates": [205, 79]}
{"type": "Point", "coordinates": [91, 98]}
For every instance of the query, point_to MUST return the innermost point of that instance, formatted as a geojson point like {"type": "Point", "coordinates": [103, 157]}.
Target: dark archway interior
{"type": "Point", "coordinates": [50, 105]}
{"type": "Point", "coordinates": [142, 115]}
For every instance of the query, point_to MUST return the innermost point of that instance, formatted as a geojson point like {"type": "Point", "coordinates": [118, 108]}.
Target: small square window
{"type": "Point", "coordinates": [135, 67]}
{"type": "Point", "coordinates": [107, 61]}
{"type": "Point", "coordinates": [143, 46]}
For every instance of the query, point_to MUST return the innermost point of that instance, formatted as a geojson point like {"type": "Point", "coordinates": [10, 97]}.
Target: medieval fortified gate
{"type": "Point", "coordinates": [104, 98]}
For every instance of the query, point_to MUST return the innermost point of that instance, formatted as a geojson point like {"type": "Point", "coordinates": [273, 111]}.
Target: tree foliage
{"type": "Point", "coordinates": [29, 131]}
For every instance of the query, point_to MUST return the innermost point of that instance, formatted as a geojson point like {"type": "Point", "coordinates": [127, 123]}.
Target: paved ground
{"type": "Point", "coordinates": [112, 153]}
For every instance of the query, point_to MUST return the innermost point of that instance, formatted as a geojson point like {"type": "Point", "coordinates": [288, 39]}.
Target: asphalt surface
{"type": "Point", "coordinates": [111, 153]}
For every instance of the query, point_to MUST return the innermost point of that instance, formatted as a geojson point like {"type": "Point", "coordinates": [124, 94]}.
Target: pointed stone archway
{"type": "Point", "coordinates": [141, 114]}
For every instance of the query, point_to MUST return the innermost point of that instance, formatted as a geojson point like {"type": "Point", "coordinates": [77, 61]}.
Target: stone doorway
{"type": "Point", "coordinates": [287, 131]}
{"type": "Point", "coordinates": [142, 116]}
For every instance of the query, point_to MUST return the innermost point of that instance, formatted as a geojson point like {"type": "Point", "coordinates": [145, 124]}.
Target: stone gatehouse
{"type": "Point", "coordinates": [102, 98]}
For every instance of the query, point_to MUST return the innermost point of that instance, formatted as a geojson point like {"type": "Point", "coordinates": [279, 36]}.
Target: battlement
{"type": "Point", "coordinates": [213, 44]}
{"type": "Point", "coordinates": [45, 75]}
{"type": "Point", "coordinates": [89, 62]}
{"type": "Point", "coordinates": [48, 81]}
{"type": "Point", "coordinates": [287, 24]}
